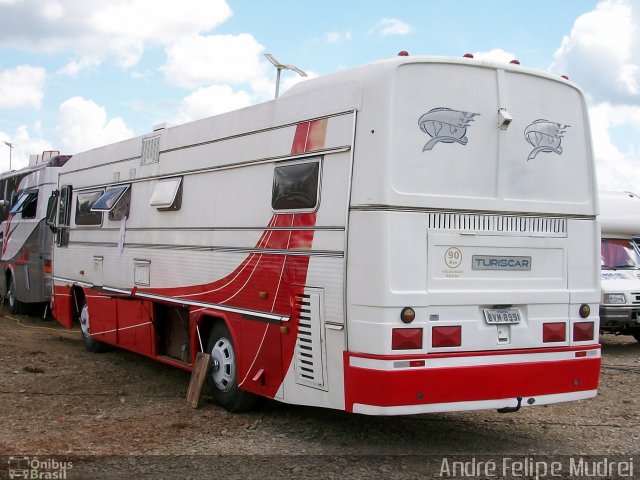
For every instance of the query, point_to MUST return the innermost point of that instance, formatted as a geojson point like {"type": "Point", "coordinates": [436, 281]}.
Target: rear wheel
{"type": "Point", "coordinates": [636, 334]}
{"type": "Point", "coordinates": [223, 372]}
{"type": "Point", "coordinates": [91, 344]}
{"type": "Point", "coordinates": [16, 307]}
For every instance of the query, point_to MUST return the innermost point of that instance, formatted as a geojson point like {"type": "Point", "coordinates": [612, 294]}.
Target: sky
{"type": "Point", "coordinates": [77, 74]}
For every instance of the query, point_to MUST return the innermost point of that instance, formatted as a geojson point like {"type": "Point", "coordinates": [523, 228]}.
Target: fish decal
{"type": "Point", "coordinates": [445, 125]}
{"type": "Point", "coordinates": [545, 137]}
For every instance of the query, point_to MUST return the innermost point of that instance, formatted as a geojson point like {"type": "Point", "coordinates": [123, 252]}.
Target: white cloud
{"type": "Point", "coordinates": [617, 168]}
{"type": "Point", "coordinates": [338, 37]}
{"type": "Point", "coordinates": [53, 11]}
{"type": "Point", "coordinates": [497, 55]}
{"type": "Point", "coordinates": [21, 87]}
{"type": "Point", "coordinates": [199, 60]}
{"type": "Point", "coordinates": [84, 125]}
{"type": "Point", "coordinates": [391, 26]}
{"type": "Point", "coordinates": [600, 55]}
{"type": "Point", "coordinates": [601, 52]}
{"type": "Point", "coordinates": [24, 145]}
{"type": "Point", "coordinates": [212, 100]}
{"type": "Point", "coordinates": [95, 30]}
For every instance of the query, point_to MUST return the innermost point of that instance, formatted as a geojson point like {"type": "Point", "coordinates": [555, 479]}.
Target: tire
{"type": "Point", "coordinates": [636, 334]}
{"type": "Point", "coordinates": [90, 344]}
{"type": "Point", "coordinates": [16, 307]}
{"type": "Point", "coordinates": [222, 378]}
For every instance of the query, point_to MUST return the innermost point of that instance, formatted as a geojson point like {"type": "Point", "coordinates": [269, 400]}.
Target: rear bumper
{"type": "Point", "coordinates": [384, 385]}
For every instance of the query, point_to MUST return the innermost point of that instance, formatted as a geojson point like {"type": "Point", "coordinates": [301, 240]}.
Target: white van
{"type": "Point", "coordinates": [620, 263]}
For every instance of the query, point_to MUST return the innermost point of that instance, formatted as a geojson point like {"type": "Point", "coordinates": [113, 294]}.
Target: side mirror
{"type": "Point", "coordinates": [52, 208]}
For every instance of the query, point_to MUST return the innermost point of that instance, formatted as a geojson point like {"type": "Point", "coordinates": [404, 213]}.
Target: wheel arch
{"type": "Point", "coordinates": [9, 272]}
{"type": "Point", "coordinates": [205, 324]}
{"type": "Point", "coordinates": [77, 297]}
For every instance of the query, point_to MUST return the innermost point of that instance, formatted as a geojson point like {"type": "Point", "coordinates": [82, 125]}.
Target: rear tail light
{"type": "Point", "coordinates": [406, 338]}
{"type": "Point", "coordinates": [585, 310]}
{"type": "Point", "coordinates": [446, 336]}
{"type": "Point", "coordinates": [47, 266]}
{"type": "Point", "coordinates": [407, 315]}
{"type": "Point", "coordinates": [554, 332]}
{"type": "Point", "coordinates": [582, 331]}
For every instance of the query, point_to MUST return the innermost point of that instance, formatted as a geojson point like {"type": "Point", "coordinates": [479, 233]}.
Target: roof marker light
{"type": "Point", "coordinates": [403, 53]}
{"type": "Point", "coordinates": [515, 61]}
{"type": "Point", "coordinates": [564, 76]}
{"type": "Point", "coordinates": [468, 55]}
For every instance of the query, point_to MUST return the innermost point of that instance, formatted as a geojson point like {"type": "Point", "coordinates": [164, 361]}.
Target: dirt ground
{"type": "Point", "coordinates": [117, 412]}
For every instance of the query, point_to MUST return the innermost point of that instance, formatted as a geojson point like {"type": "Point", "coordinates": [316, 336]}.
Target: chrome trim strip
{"type": "Point", "coordinates": [275, 159]}
{"type": "Point", "coordinates": [215, 306]}
{"type": "Point", "coordinates": [215, 229]}
{"type": "Point", "coordinates": [207, 248]}
{"type": "Point", "coordinates": [180, 301]}
{"type": "Point", "coordinates": [399, 208]}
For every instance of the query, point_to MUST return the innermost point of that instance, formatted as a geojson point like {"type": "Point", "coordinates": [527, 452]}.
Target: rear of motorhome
{"type": "Point", "coordinates": [26, 239]}
{"type": "Point", "coordinates": [620, 263]}
{"type": "Point", "coordinates": [414, 235]}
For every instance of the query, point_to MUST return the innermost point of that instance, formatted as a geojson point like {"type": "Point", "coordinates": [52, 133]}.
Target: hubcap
{"type": "Point", "coordinates": [12, 295]}
{"type": "Point", "coordinates": [223, 361]}
{"type": "Point", "coordinates": [84, 320]}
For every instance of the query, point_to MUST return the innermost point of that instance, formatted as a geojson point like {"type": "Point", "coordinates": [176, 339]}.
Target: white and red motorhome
{"type": "Point", "coordinates": [414, 235]}
{"type": "Point", "coordinates": [26, 240]}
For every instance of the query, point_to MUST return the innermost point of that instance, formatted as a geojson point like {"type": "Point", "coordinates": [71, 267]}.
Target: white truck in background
{"type": "Point", "coordinates": [620, 263]}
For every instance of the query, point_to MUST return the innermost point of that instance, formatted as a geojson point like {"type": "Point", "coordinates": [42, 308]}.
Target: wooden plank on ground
{"type": "Point", "coordinates": [198, 376]}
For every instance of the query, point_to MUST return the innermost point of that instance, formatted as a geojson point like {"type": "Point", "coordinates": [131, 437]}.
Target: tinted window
{"type": "Point", "coordinates": [26, 204]}
{"type": "Point", "coordinates": [295, 187]}
{"type": "Point", "coordinates": [109, 199]}
{"type": "Point", "coordinates": [84, 215]}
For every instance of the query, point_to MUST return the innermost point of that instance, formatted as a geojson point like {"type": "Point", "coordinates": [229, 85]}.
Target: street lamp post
{"type": "Point", "coordinates": [10, 145]}
{"type": "Point", "coordinates": [279, 67]}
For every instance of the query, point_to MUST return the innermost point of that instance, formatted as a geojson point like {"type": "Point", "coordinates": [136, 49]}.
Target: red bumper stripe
{"type": "Point", "coordinates": [469, 383]}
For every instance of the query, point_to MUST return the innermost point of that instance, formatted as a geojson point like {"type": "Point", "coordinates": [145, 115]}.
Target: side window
{"type": "Point", "coordinates": [64, 216]}
{"type": "Point", "coordinates": [65, 206]}
{"type": "Point", "coordinates": [84, 202]}
{"type": "Point", "coordinates": [116, 201]}
{"type": "Point", "coordinates": [296, 186]}
{"type": "Point", "coordinates": [26, 205]}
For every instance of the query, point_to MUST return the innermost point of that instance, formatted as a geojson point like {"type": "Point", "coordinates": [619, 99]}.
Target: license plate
{"type": "Point", "coordinates": [499, 316]}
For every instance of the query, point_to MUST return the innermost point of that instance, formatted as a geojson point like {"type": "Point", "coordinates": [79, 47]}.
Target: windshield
{"type": "Point", "coordinates": [618, 254]}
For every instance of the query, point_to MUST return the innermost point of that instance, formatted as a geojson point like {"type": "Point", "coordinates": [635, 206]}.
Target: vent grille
{"type": "Point", "coordinates": [635, 298]}
{"type": "Point", "coordinates": [150, 150]}
{"type": "Point", "coordinates": [309, 342]}
{"type": "Point", "coordinates": [498, 224]}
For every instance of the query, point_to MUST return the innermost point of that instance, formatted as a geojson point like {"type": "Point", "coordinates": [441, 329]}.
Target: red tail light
{"type": "Point", "coordinates": [47, 266]}
{"type": "Point", "coordinates": [406, 338]}
{"type": "Point", "coordinates": [582, 331]}
{"type": "Point", "coordinates": [554, 332]}
{"type": "Point", "coordinates": [446, 336]}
